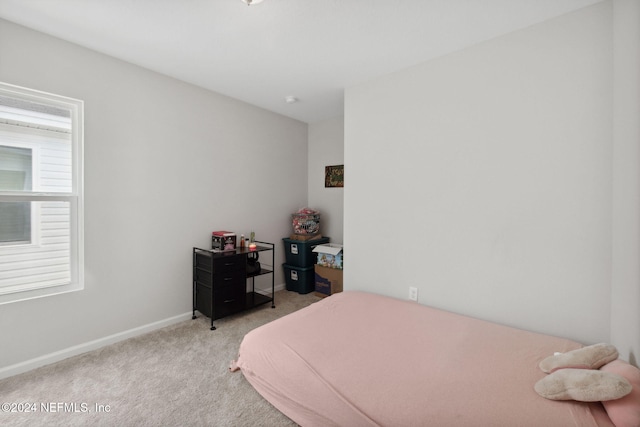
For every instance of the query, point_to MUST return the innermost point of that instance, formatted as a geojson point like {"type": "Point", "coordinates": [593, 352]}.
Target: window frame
{"type": "Point", "coordinates": [75, 197]}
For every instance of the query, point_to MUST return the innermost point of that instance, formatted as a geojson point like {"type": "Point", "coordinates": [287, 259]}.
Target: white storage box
{"type": "Point", "coordinates": [329, 255]}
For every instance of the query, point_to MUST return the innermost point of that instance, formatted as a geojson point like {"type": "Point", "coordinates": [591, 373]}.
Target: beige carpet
{"type": "Point", "coordinates": [175, 376]}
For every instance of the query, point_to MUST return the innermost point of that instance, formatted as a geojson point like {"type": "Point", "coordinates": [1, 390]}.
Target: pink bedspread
{"type": "Point", "coordinates": [359, 359]}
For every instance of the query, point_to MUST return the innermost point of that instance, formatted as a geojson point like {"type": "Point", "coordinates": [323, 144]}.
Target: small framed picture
{"type": "Point", "coordinates": [334, 176]}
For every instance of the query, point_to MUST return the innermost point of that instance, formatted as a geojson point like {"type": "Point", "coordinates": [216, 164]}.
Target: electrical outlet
{"type": "Point", "coordinates": [413, 293]}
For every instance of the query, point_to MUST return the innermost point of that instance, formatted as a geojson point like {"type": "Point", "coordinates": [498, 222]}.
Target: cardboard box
{"type": "Point", "coordinates": [222, 241]}
{"type": "Point", "coordinates": [329, 255]}
{"type": "Point", "coordinates": [328, 281]}
{"type": "Point", "coordinates": [305, 237]}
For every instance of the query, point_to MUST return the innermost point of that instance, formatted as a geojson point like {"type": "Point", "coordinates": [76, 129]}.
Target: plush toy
{"type": "Point", "coordinates": [594, 374]}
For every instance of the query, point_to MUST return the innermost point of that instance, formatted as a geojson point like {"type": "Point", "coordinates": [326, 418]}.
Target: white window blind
{"type": "Point", "coordinates": [41, 215]}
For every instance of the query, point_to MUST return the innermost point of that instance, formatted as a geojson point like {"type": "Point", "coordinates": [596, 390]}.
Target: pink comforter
{"type": "Point", "coordinates": [359, 359]}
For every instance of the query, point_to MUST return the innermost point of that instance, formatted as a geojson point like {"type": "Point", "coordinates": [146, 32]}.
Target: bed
{"type": "Point", "coordinates": [361, 359]}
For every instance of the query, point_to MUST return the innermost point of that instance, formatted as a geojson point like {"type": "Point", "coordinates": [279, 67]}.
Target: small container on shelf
{"type": "Point", "coordinates": [222, 241]}
{"type": "Point", "coordinates": [252, 242]}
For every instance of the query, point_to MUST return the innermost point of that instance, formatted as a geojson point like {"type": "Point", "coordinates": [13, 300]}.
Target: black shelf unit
{"type": "Point", "coordinates": [220, 281]}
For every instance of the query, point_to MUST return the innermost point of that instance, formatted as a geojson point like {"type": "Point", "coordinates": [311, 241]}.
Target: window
{"type": "Point", "coordinates": [41, 206]}
{"type": "Point", "coordinates": [15, 174]}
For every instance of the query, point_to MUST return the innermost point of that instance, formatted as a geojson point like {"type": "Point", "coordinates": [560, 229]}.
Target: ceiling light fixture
{"type": "Point", "coordinates": [250, 2]}
{"type": "Point", "coordinates": [290, 99]}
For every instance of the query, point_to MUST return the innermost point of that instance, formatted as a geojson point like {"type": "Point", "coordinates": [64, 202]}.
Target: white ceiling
{"type": "Point", "coordinates": [311, 49]}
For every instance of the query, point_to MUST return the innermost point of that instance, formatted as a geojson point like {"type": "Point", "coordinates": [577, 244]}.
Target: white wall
{"type": "Point", "coordinates": [165, 164]}
{"type": "Point", "coordinates": [625, 315]}
{"type": "Point", "coordinates": [326, 148]}
{"type": "Point", "coordinates": [484, 179]}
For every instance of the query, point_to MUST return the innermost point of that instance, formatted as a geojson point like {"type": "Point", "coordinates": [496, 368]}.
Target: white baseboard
{"type": "Point", "coordinates": [57, 356]}
{"type": "Point", "coordinates": [267, 292]}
